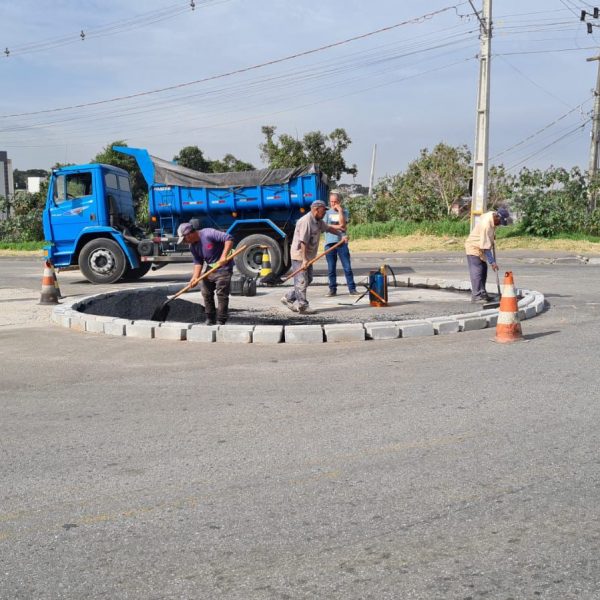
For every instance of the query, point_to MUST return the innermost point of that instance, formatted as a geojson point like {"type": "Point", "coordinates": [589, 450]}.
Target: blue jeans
{"type": "Point", "coordinates": [343, 252]}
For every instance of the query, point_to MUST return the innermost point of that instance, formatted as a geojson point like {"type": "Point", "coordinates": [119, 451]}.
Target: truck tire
{"type": "Point", "coordinates": [102, 261]}
{"type": "Point", "coordinates": [138, 272]}
{"type": "Point", "coordinates": [249, 262]}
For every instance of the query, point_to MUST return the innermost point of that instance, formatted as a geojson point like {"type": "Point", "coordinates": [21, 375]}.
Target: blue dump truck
{"type": "Point", "coordinates": [89, 219]}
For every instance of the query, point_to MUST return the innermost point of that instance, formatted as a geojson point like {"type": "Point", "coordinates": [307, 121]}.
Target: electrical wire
{"type": "Point", "coordinates": [415, 20]}
{"type": "Point", "coordinates": [540, 131]}
{"type": "Point", "coordinates": [122, 26]}
{"type": "Point", "coordinates": [547, 146]}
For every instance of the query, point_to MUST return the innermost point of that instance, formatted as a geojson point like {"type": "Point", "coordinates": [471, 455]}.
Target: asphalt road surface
{"type": "Point", "coordinates": [427, 468]}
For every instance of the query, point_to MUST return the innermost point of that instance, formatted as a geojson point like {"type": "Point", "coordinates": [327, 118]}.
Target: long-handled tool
{"type": "Point", "coordinates": [271, 280]}
{"type": "Point", "coordinates": [162, 312]}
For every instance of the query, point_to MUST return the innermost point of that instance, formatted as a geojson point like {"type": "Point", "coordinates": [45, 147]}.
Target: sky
{"type": "Point", "coordinates": [398, 74]}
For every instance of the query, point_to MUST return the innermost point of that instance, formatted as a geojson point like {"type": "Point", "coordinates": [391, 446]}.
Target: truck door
{"type": "Point", "coordinates": [72, 208]}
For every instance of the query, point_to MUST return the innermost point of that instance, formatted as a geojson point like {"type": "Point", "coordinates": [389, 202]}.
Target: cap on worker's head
{"type": "Point", "coordinates": [318, 204]}
{"type": "Point", "coordinates": [336, 193]}
{"type": "Point", "coordinates": [183, 230]}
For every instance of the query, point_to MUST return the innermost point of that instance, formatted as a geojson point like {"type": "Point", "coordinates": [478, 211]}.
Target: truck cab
{"type": "Point", "coordinates": [88, 221]}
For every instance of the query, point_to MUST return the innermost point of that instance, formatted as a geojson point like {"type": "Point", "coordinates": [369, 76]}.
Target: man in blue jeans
{"type": "Point", "coordinates": [337, 215]}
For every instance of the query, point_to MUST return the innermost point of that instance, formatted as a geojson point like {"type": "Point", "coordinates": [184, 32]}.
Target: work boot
{"type": "Point", "coordinates": [288, 303]}
{"type": "Point", "coordinates": [331, 293]}
{"type": "Point", "coordinates": [306, 310]}
{"type": "Point", "coordinates": [210, 320]}
{"type": "Point", "coordinates": [354, 293]}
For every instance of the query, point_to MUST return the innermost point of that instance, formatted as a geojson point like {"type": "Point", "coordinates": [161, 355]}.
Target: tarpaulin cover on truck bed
{"type": "Point", "coordinates": [166, 173]}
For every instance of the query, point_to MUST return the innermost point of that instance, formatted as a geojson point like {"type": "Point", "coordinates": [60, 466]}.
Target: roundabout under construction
{"type": "Point", "coordinates": [416, 306]}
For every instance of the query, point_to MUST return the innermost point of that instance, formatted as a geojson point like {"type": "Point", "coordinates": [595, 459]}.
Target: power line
{"type": "Point", "coordinates": [415, 20]}
{"type": "Point", "coordinates": [122, 26]}
{"type": "Point", "coordinates": [553, 143]}
{"type": "Point", "coordinates": [539, 131]}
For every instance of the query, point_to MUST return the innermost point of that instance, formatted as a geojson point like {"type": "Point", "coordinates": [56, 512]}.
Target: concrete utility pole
{"type": "Point", "coordinates": [593, 168]}
{"type": "Point", "coordinates": [480, 157]}
{"type": "Point", "coordinates": [372, 177]}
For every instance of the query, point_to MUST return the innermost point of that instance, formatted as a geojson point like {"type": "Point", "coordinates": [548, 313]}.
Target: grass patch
{"type": "Point", "coordinates": [22, 246]}
{"type": "Point", "coordinates": [449, 228]}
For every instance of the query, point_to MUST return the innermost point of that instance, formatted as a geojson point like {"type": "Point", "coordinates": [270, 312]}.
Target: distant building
{"type": "Point", "coordinates": [34, 183]}
{"type": "Point", "coordinates": [7, 186]}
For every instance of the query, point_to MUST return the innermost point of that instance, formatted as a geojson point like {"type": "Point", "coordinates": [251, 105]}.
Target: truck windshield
{"type": "Point", "coordinates": [75, 185]}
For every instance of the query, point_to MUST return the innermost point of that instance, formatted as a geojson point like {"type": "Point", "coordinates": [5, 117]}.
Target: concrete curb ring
{"type": "Point", "coordinates": [69, 315]}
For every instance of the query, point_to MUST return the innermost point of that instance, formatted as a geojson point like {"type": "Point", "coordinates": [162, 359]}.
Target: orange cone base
{"type": "Point", "coordinates": [505, 334]}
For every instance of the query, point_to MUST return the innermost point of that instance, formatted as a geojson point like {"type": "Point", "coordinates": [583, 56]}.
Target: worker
{"type": "Point", "coordinates": [338, 215]}
{"type": "Point", "coordinates": [210, 246]}
{"type": "Point", "coordinates": [305, 244]}
{"type": "Point", "coordinates": [479, 247]}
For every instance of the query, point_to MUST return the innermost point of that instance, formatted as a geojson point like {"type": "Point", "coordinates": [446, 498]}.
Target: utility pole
{"type": "Point", "coordinates": [593, 165]}
{"type": "Point", "coordinates": [372, 177]}
{"type": "Point", "coordinates": [480, 157]}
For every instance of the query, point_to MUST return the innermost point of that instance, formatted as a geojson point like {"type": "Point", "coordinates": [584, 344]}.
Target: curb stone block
{"type": "Point", "coordinates": [65, 321]}
{"type": "Point", "coordinates": [76, 323]}
{"type": "Point", "coordinates": [95, 326]}
{"type": "Point", "coordinates": [492, 320]}
{"type": "Point", "coordinates": [141, 329]}
{"type": "Point", "coordinates": [172, 331]}
{"type": "Point", "coordinates": [304, 334]}
{"type": "Point", "coordinates": [267, 334]}
{"type": "Point", "coordinates": [472, 323]}
{"type": "Point", "coordinates": [235, 334]}
{"type": "Point", "coordinates": [117, 327]}
{"type": "Point", "coordinates": [446, 327]}
{"type": "Point", "coordinates": [202, 333]}
{"type": "Point", "coordinates": [539, 306]}
{"type": "Point", "coordinates": [382, 330]}
{"type": "Point", "coordinates": [530, 312]}
{"type": "Point", "coordinates": [408, 329]}
{"type": "Point", "coordinates": [344, 332]}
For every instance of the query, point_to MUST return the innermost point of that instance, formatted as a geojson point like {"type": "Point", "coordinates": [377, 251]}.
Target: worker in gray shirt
{"type": "Point", "coordinates": [305, 245]}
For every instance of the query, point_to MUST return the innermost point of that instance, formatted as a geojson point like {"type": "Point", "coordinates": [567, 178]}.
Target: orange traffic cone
{"type": "Point", "coordinates": [49, 293]}
{"type": "Point", "coordinates": [508, 327]}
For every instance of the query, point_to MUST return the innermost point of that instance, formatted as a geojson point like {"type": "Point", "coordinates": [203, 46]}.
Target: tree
{"type": "Point", "coordinates": [315, 147]}
{"type": "Point", "coordinates": [428, 188]}
{"type": "Point", "coordinates": [24, 223]}
{"type": "Point", "coordinates": [230, 163]}
{"type": "Point", "coordinates": [108, 156]}
{"type": "Point", "coordinates": [192, 157]}
{"type": "Point", "coordinates": [553, 201]}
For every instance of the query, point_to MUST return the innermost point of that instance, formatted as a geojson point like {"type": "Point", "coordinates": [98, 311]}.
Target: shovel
{"type": "Point", "coordinates": [162, 312]}
{"type": "Point", "coordinates": [276, 280]}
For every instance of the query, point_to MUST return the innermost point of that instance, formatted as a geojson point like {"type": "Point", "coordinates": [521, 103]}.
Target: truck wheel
{"type": "Point", "coordinates": [138, 272]}
{"type": "Point", "coordinates": [249, 262]}
{"type": "Point", "coordinates": [102, 261]}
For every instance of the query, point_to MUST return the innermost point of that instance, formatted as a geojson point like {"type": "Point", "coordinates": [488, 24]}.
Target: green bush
{"type": "Point", "coordinates": [24, 223]}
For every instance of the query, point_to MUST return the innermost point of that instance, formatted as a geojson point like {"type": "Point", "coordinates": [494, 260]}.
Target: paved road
{"type": "Point", "coordinates": [429, 468]}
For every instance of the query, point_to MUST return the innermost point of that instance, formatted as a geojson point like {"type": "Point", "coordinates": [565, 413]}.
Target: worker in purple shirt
{"type": "Point", "coordinates": [210, 246]}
